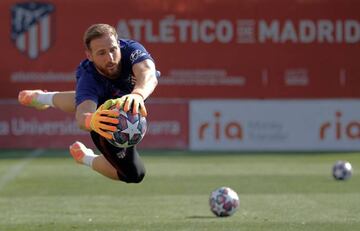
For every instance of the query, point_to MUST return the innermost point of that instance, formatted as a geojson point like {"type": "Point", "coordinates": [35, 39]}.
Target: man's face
{"type": "Point", "coordinates": [105, 54]}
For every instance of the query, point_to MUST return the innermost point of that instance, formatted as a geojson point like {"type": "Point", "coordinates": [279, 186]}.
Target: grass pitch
{"type": "Point", "coordinates": [46, 190]}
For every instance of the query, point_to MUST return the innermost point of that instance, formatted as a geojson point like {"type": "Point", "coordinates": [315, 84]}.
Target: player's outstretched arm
{"type": "Point", "coordinates": [145, 83]}
{"type": "Point", "coordinates": [101, 120]}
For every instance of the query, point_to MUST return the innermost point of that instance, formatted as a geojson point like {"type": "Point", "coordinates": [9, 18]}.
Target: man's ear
{"type": "Point", "coordinates": [88, 55]}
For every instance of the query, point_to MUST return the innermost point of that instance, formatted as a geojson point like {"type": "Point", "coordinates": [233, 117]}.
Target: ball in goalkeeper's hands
{"type": "Point", "coordinates": [130, 130]}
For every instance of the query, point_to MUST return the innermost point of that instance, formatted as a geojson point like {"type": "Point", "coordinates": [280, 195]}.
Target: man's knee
{"type": "Point", "coordinates": [137, 179]}
{"type": "Point", "coordinates": [133, 178]}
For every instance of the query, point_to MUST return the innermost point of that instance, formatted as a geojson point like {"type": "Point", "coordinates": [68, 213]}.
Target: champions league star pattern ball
{"type": "Point", "coordinates": [224, 202]}
{"type": "Point", "coordinates": [342, 170]}
{"type": "Point", "coordinates": [130, 130]}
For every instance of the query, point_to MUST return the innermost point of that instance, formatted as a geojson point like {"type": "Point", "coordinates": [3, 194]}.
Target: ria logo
{"type": "Point", "coordinates": [219, 129]}
{"type": "Point", "coordinates": [339, 129]}
{"type": "Point", "coordinates": [31, 27]}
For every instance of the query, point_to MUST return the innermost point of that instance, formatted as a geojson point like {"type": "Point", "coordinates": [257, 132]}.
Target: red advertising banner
{"type": "Point", "coordinates": [204, 48]}
{"type": "Point", "coordinates": [168, 125]}
{"type": "Point", "coordinates": [22, 127]}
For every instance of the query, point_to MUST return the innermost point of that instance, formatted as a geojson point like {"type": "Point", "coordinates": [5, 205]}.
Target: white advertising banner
{"type": "Point", "coordinates": [275, 125]}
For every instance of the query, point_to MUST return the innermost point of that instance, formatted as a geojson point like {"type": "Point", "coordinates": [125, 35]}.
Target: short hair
{"type": "Point", "coordinates": [97, 31]}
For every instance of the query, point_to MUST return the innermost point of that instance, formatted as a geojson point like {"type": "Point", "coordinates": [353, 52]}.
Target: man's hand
{"type": "Point", "coordinates": [134, 101]}
{"type": "Point", "coordinates": [119, 102]}
{"type": "Point", "coordinates": [102, 121]}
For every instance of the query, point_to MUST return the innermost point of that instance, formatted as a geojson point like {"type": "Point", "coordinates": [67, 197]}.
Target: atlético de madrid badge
{"type": "Point", "coordinates": [31, 27]}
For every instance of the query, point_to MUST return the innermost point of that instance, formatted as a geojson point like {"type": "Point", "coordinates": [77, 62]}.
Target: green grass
{"type": "Point", "coordinates": [278, 192]}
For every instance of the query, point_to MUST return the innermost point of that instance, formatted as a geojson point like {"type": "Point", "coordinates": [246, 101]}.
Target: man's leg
{"type": "Point", "coordinates": [41, 100]}
{"type": "Point", "coordinates": [65, 101]}
{"type": "Point", "coordinates": [86, 156]}
{"type": "Point", "coordinates": [127, 161]}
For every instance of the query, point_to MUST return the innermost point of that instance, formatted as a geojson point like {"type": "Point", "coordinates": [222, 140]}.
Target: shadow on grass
{"type": "Point", "coordinates": [200, 217]}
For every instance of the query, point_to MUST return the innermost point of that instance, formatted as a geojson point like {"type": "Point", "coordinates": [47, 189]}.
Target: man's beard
{"type": "Point", "coordinates": [111, 74]}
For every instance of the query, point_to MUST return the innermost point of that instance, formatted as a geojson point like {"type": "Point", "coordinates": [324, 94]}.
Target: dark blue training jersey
{"type": "Point", "coordinates": [91, 85]}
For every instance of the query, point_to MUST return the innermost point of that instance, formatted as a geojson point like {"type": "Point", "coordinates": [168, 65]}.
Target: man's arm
{"type": "Point", "coordinates": [82, 110]}
{"type": "Point", "coordinates": [145, 75]}
{"type": "Point", "coordinates": [101, 120]}
{"type": "Point", "coordinates": [145, 83]}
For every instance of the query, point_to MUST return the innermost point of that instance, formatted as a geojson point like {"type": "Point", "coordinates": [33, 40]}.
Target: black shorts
{"type": "Point", "coordinates": [126, 161]}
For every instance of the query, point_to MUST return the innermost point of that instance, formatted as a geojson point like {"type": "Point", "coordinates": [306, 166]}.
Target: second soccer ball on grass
{"type": "Point", "coordinates": [224, 202]}
{"type": "Point", "coordinates": [342, 170]}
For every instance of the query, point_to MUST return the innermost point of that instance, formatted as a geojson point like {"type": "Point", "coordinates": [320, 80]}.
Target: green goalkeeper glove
{"type": "Point", "coordinates": [134, 100]}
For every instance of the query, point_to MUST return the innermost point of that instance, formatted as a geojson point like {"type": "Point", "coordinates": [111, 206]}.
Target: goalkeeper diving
{"type": "Point", "coordinates": [116, 72]}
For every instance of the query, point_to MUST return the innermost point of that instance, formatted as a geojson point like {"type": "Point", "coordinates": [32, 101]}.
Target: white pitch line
{"type": "Point", "coordinates": [16, 169]}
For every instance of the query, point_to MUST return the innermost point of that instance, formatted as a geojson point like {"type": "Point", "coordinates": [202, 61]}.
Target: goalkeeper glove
{"type": "Point", "coordinates": [136, 101]}
{"type": "Point", "coordinates": [102, 121]}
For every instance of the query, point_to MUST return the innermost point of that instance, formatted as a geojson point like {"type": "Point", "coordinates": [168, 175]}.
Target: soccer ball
{"type": "Point", "coordinates": [342, 170]}
{"type": "Point", "coordinates": [130, 130]}
{"type": "Point", "coordinates": [224, 202]}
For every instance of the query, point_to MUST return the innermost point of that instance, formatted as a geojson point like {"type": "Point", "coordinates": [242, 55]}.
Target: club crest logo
{"type": "Point", "coordinates": [31, 27]}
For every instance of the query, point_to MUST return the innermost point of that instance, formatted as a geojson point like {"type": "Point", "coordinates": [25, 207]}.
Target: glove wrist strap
{"type": "Point", "coordinates": [138, 93]}
{"type": "Point", "coordinates": [88, 117]}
